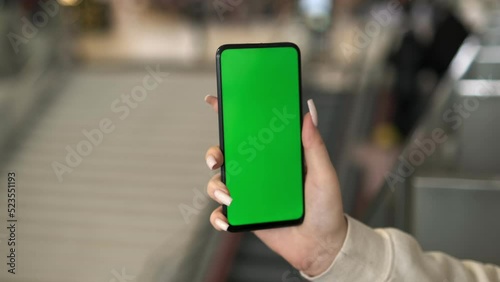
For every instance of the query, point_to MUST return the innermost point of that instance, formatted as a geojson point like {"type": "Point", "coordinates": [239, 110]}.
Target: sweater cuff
{"type": "Point", "coordinates": [364, 256]}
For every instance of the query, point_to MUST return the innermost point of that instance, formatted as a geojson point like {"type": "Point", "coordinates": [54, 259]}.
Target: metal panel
{"type": "Point", "coordinates": [458, 217]}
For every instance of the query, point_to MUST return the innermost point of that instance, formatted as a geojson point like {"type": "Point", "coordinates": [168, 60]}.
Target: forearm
{"type": "Point", "coordinates": [391, 255]}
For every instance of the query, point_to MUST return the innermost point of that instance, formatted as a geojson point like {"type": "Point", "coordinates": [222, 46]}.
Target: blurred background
{"type": "Point", "coordinates": [102, 119]}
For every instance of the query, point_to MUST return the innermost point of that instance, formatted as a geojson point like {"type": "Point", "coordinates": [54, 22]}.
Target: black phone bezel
{"type": "Point", "coordinates": [220, 50]}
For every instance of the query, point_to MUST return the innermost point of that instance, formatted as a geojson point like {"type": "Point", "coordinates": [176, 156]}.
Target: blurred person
{"type": "Point", "coordinates": [196, 11]}
{"type": "Point", "coordinates": [13, 49]}
{"type": "Point", "coordinates": [332, 246]}
{"type": "Point", "coordinates": [317, 17]}
{"type": "Point", "coordinates": [434, 37]}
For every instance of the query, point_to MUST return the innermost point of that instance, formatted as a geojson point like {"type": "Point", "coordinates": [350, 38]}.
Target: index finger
{"type": "Point", "coordinates": [212, 101]}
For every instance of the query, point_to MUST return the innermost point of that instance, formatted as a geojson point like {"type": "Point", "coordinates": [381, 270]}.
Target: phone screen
{"type": "Point", "coordinates": [260, 132]}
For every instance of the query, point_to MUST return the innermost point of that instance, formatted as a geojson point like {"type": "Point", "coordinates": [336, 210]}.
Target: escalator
{"type": "Point", "coordinates": [449, 201]}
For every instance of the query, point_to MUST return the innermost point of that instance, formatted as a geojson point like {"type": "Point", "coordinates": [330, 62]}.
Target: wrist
{"type": "Point", "coordinates": [326, 251]}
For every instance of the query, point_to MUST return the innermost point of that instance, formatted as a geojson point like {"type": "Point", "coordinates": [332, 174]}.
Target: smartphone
{"type": "Point", "coordinates": [260, 121]}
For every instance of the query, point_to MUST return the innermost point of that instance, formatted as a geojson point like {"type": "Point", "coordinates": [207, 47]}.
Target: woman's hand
{"type": "Point", "coordinates": [312, 246]}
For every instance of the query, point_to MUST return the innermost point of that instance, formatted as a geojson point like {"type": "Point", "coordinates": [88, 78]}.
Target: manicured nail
{"type": "Point", "coordinates": [221, 224]}
{"type": "Point", "coordinates": [223, 197]}
{"type": "Point", "coordinates": [312, 110]}
{"type": "Point", "coordinates": [211, 162]}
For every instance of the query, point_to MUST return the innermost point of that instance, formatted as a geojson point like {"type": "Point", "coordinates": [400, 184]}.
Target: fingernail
{"type": "Point", "coordinates": [221, 224]}
{"type": "Point", "coordinates": [211, 162]}
{"type": "Point", "coordinates": [312, 110]}
{"type": "Point", "coordinates": [223, 197]}
{"type": "Point", "coordinates": [206, 98]}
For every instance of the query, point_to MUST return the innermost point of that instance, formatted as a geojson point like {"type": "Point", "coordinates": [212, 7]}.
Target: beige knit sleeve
{"type": "Point", "coordinates": [390, 255]}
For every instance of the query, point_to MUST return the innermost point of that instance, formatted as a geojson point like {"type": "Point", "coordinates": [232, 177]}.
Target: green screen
{"type": "Point", "coordinates": [260, 93]}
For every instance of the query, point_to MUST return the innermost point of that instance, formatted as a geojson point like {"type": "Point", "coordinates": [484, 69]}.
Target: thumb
{"type": "Point", "coordinates": [315, 152]}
